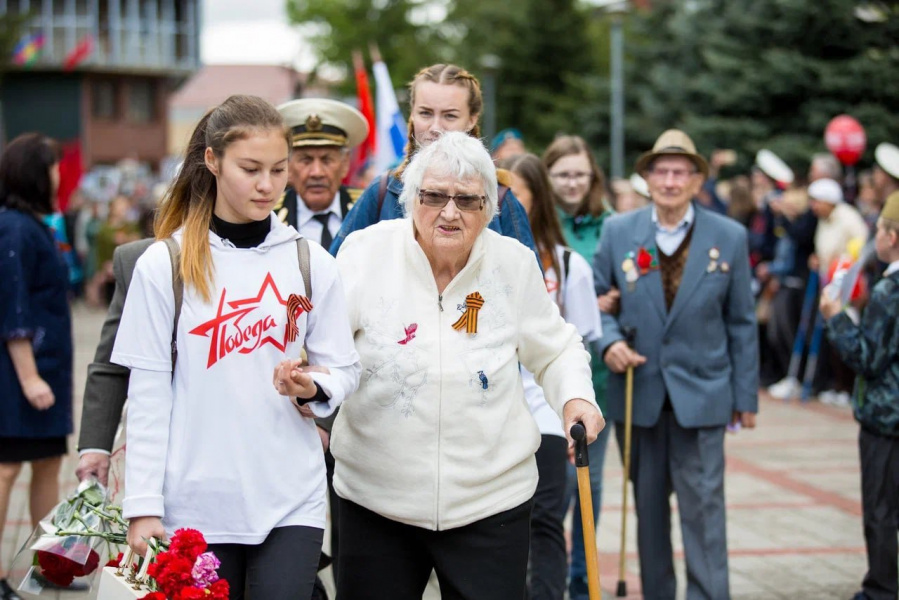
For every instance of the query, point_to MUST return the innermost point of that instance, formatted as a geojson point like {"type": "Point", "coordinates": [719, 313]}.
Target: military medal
{"type": "Point", "coordinates": [630, 272]}
{"type": "Point", "coordinates": [714, 255]}
{"type": "Point", "coordinates": [725, 267]}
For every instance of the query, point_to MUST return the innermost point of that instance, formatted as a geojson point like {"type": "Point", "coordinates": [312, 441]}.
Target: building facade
{"type": "Point", "coordinates": [102, 74]}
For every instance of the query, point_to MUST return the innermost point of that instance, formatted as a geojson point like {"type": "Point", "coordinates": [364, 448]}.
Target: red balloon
{"type": "Point", "coordinates": [845, 138]}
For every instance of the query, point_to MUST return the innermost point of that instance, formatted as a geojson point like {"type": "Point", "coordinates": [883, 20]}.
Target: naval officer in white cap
{"type": "Point", "coordinates": [322, 133]}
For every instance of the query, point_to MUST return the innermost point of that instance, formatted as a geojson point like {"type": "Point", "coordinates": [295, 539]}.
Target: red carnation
{"type": "Point", "coordinates": [171, 572]}
{"type": "Point", "coordinates": [188, 543]}
{"type": "Point", "coordinates": [115, 561]}
{"type": "Point", "coordinates": [192, 593]}
{"type": "Point", "coordinates": [154, 596]}
{"type": "Point", "coordinates": [60, 570]}
{"type": "Point", "coordinates": [644, 259]}
{"type": "Point", "coordinates": [220, 590]}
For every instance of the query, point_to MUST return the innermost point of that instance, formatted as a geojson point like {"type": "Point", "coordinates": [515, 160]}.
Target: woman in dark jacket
{"type": "Point", "coordinates": [35, 330]}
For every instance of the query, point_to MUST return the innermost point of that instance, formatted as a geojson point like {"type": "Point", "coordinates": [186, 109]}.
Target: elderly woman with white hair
{"type": "Point", "coordinates": [435, 451]}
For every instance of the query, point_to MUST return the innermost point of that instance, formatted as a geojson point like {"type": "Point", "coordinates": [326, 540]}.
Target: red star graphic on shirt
{"type": "Point", "coordinates": [229, 331]}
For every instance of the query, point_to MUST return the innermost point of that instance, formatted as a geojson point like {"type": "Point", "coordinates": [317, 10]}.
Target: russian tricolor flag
{"type": "Point", "coordinates": [391, 126]}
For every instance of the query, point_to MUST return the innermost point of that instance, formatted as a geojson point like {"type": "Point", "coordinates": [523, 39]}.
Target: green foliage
{"type": "Point", "coordinates": [742, 74]}
{"type": "Point", "coordinates": [748, 74]}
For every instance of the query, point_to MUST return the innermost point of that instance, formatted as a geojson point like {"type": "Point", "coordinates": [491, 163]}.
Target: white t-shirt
{"type": "Point", "coordinates": [217, 448]}
{"type": "Point", "coordinates": [578, 308]}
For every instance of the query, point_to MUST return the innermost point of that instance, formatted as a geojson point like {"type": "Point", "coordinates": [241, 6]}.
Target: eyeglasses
{"type": "Point", "coordinates": [466, 202]}
{"type": "Point", "coordinates": [677, 174]}
{"type": "Point", "coordinates": [576, 176]}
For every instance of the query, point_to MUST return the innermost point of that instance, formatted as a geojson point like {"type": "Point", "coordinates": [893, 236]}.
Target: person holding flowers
{"type": "Point", "coordinates": [211, 444]}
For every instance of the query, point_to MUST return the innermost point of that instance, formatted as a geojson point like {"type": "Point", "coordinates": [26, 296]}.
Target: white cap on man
{"type": "Point", "coordinates": [826, 190]}
{"type": "Point", "coordinates": [887, 157]}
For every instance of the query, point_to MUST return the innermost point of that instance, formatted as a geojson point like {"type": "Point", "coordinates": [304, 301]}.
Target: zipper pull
{"type": "Point", "coordinates": [440, 302]}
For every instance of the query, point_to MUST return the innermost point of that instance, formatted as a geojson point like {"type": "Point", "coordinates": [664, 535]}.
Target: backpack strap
{"type": "Point", "coordinates": [177, 291]}
{"type": "Point", "coordinates": [382, 190]}
{"type": "Point", "coordinates": [303, 258]}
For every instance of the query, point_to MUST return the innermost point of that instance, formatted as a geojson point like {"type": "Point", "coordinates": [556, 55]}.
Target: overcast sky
{"type": "Point", "coordinates": [242, 32]}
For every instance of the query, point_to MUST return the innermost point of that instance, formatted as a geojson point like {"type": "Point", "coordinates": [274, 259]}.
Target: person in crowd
{"type": "Point", "coordinates": [569, 282]}
{"type": "Point", "coordinates": [824, 165]}
{"type": "Point", "coordinates": [583, 207]}
{"type": "Point", "coordinates": [886, 170]}
{"type": "Point", "coordinates": [322, 134]}
{"type": "Point", "coordinates": [35, 329]}
{"type": "Point", "coordinates": [871, 349]}
{"type": "Point", "coordinates": [435, 451]}
{"type": "Point", "coordinates": [742, 206]}
{"type": "Point", "coordinates": [442, 98]}
{"type": "Point", "coordinates": [708, 196]}
{"type": "Point", "coordinates": [867, 202]}
{"type": "Point", "coordinates": [508, 143]}
{"type": "Point", "coordinates": [200, 385]}
{"type": "Point", "coordinates": [684, 277]}
{"type": "Point", "coordinates": [839, 226]}
{"type": "Point", "coordinates": [117, 230]}
{"type": "Point", "coordinates": [627, 195]}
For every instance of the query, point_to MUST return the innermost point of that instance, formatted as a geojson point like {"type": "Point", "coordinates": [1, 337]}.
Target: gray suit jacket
{"type": "Point", "coordinates": [704, 352]}
{"type": "Point", "coordinates": [107, 384]}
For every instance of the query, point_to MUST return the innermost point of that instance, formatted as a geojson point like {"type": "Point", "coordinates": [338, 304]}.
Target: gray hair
{"type": "Point", "coordinates": [828, 164]}
{"type": "Point", "coordinates": [456, 154]}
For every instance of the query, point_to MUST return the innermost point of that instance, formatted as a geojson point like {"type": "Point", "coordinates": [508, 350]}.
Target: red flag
{"type": "Point", "coordinates": [365, 153]}
{"type": "Point", "coordinates": [79, 53]}
{"type": "Point", "coordinates": [70, 172]}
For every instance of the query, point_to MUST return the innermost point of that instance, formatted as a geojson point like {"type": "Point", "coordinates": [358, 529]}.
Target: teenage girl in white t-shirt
{"type": "Point", "coordinates": [569, 280]}
{"type": "Point", "coordinates": [214, 446]}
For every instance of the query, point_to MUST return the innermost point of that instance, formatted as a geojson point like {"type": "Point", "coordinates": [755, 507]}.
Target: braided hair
{"type": "Point", "coordinates": [445, 75]}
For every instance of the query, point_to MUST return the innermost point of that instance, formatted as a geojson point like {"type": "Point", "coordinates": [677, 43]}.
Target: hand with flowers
{"type": "Point", "coordinates": [141, 529]}
{"type": "Point", "coordinates": [186, 571]}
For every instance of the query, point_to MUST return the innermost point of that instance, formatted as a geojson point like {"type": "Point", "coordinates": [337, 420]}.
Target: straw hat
{"type": "Point", "coordinates": [673, 142]}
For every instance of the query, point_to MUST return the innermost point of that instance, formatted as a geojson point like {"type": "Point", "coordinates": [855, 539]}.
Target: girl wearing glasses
{"type": "Point", "coordinates": [435, 465]}
{"type": "Point", "coordinates": [580, 187]}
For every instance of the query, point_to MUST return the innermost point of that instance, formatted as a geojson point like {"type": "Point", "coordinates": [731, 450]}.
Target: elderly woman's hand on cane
{"type": "Point", "coordinates": [579, 410]}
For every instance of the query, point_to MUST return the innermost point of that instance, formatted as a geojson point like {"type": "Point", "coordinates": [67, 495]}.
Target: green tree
{"type": "Point", "coordinates": [748, 74]}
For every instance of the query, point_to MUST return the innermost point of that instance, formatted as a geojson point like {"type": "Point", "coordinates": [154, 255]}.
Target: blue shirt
{"type": "Point", "coordinates": [669, 239]}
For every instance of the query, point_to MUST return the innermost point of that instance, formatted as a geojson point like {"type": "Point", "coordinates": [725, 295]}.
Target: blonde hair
{"type": "Point", "coordinates": [190, 201]}
{"type": "Point", "coordinates": [445, 75]}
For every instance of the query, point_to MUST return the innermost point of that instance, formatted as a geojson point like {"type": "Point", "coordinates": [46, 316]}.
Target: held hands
{"type": "Point", "coordinates": [578, 409]}
{"type": "Point", "coordinates": [291, 378]}
{"type": "Point", "coordinates": [619, 357]}
{"type": "Point", "coordinates": [38, 393]}
{"type": "Point", "coordinates": [141, 529]}
{"type": "Point", "coordinates": [93, 464]}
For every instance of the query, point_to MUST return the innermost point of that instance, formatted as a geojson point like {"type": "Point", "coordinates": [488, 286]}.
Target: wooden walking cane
{"type": "Point", "coordinates": [582, 462]}
{"type": "Point", "coordinates": [630, 334]}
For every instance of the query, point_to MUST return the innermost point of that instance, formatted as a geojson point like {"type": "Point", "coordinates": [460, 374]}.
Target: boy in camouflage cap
{"type": "Point", "coordinates": [871, 349]}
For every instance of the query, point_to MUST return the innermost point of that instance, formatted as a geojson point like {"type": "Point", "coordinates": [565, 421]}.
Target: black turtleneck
{"type": "Point", "coordinates": [242, 235]}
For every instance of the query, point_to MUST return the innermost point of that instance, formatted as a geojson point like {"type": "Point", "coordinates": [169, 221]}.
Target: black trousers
{"type": "Point", "coordinates": [548, 562]}
{"type": "Point", "coordinates": [382, 559]}
{"type": "Point", "coordinates": [282, 567]}
{"type": "Point", "coordinates": [334, 507]}
{"type": "Point", "coordinates": [880, 513]}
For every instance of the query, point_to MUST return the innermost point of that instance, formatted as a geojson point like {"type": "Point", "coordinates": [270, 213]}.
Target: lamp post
{"type": "Point", "coordinates": [491, 64]}
{"type": "Point", "coordinates": [616, 9]}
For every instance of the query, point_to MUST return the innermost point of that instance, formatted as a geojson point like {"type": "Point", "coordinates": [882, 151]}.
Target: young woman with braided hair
{"type": "Point", "coordinates": [442, 98]}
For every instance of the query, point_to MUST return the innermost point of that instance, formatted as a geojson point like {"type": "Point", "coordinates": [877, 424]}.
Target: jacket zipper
{"type": "Point", "coordinates": [440, 302]}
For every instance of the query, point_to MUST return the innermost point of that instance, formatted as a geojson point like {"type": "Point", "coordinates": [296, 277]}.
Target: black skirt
{"type": "Point", "coordinates": [15, 450]}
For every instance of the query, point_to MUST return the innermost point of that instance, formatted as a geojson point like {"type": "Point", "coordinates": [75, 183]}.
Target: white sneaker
{"type": "Point", "coordinates": [786, 388]}
{"type": "Point", "coordinates": [828, 397]}
{"type": "Point", "coordinates": [841, 399]}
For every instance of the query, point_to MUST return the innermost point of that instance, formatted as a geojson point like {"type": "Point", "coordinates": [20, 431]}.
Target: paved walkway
{"type": "Point", "coordinates": [794, 515]}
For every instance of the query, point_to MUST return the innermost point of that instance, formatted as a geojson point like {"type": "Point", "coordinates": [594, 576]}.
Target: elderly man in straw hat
{"type": "Point", "coordinates": [684, 277]}
{"type": "Point", "coordinates": [322, 133]}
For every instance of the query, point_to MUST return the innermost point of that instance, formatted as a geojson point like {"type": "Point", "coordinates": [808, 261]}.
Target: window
{"type": "Point", "coordinates": [103, 99]}
{"type": "Point", "coordinates": [141, 101]}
